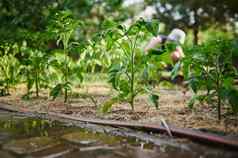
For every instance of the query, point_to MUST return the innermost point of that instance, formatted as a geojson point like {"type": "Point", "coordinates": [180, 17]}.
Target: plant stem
{"type": "Point", "coordinates": [133, 72]}
{"type": "Point", "coordinates": [28, 83]}
{"type": "Point", "coordinates": [65, 95]}
{"type": "Point", "coordinates": [219, 107]}
{"type": "Point", "coordinates": [132, 80]}
{"type": "Point", "coordinates": [66, 77]}
{"type": "Point", "coordinates": [37, 84]}
{"type": "Point", "coordinates": [218, 89]}
{"type": "Point", "coordinates": [218, 98]}
{"type": "Point", "coordinates": [7, 88]}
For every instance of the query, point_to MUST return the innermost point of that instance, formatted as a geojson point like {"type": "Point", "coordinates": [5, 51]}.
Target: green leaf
{"type": "Point", "coordinates": [108, 24]}
{"type": "Point", "coordinates": [136, 27]}
{"type": "Point", "coordinates": [126, 46]}
{"type": "Point", "coordinates": [153, 27]}
{"type": "Point", "coordinates": [30, 83]}
{"type": "Point", "coordinates": [123, 87]}
{"type": "Point", "coordinates": [122, 28]}
{"type": "Point", "coordinates": [79, 75]}
{"type": "Point", "coordinates": [106, 107]}
{"type": "Point", "coordinates": [56, 91]}
{"type": "Point", "coordinates": [111, 37]}
{"type": "Point", "coordinates": [228, 82]}
{"type": "Point", "coordinates": [170, 46]}
{"type": "Point", "coordinates": [113, 75]}
{"type": "Point", "coordinates": [192, 101]}
{"type": "Point", "coordinates": [133, 30]}
{"type": "Point", "coordinates": [194, 84]}
{"type": "Point", "coordinates": [154, 99]}
{"type": "Point", "coordinates": [223, 93]}
{"type": "Point", "coordinates": [233, 99]}
{"type": "Point", "coordinates": [67, 85]}
{"type": "Point", "coordinates": [175, 70]}
{"type": "Point", "coordinates": [157, 51]}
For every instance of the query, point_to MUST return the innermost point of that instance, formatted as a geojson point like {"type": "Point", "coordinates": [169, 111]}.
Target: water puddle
{"type": "Point", "coordinates": [35, 138]}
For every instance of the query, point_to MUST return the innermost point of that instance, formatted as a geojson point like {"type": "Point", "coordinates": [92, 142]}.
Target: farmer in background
{"type": "Point", "coordinates": [177, 36]}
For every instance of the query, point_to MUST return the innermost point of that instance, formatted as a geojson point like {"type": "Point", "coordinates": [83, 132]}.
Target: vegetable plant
{"type": "Point", "coordinates": [208, 67]}
{"type": "Point", "coordinates": [97, 57]}
{"type": "Point", "coordinates": [63, 26]}
{"type": "Point", "coordinates": [126, 75]}
{"type": "Point", "coordinates": [35, 65]}
{"type": "Point", "coordinates": [74, 74]}
{"type": "Point", "coordinates": [9, 68]}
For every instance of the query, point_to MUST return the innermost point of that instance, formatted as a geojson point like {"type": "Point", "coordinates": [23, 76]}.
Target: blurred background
{"type": "Point", "coordinates": [201, 19]}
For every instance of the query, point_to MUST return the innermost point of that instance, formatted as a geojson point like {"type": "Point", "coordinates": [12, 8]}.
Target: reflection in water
{"type": "Point", "coordinates": [28, 127]}
{"type": "Point", "coordinates": [30, 137]}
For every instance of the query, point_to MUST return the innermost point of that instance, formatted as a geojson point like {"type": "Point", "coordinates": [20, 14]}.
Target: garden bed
{"type": "Point", "coordinates": [172, 108]}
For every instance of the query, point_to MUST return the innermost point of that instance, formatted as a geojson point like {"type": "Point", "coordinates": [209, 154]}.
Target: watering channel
{"type": "Point", "coordinates": [27, 137]}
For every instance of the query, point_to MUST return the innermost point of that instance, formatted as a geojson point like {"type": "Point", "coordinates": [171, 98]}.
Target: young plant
{"type": "Point", "coordinates": [209, 67]}
{"type": "Point", "coordinates": [74, 74]}
{"type": "Point", "coordinates": [97, 58]}
{"type": "Point", "coordinates": [35, 65]}
{"type": "Point", "coordinates": [9, 69]}
{"type": "Point", "coordinates": [63, 26]}
{"type": "Point", "coordinates": [126, 75]}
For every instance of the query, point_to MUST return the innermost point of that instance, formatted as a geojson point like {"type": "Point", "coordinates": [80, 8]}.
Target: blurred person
{"type": "Point", "coordinates": [178, 37]}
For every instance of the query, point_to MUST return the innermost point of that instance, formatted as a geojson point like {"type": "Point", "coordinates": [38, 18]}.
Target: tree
{"type": "Point", "coordinates": [18, 17]}
{"type": "Point", "coordinates": [194, 14]}
{"type": "Point", "coordinates": [22, 15]}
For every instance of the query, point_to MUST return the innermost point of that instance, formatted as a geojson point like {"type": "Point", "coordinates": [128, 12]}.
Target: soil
{"type": "Point", "coordinates": [172, 108]}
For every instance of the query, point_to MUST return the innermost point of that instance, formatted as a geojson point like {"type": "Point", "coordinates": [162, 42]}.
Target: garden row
{"type": "Point", "coordinates": [58, 66]}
